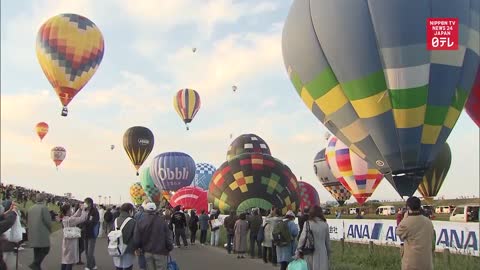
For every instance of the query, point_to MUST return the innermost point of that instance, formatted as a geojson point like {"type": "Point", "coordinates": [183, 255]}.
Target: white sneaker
{"type": "Point", "coordinates": [95, 267]}
{"type": "Point", "coordinates": [86, 268]}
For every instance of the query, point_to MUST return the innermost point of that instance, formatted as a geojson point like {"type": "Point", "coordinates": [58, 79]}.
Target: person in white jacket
{"type": "Point", "coordinates": [101, 212]}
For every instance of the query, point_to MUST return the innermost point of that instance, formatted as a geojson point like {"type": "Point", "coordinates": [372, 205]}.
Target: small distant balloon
{"type": "Point", "coordinates": [194, 49]}
{"type": "Point", "coordinates": [112, 147]}
{"type": "Point", "coordinates": [58, 154]}
{"type": "Point", "coordinates": [234, 88]}
{"type": "Point", "coordinates": [42, 129]}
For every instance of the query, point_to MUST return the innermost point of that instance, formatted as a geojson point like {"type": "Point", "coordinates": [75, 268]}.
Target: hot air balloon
{"type": "Point", "coordinates": [190, 198]}
{"type": "Point", "coordinates": [138, 143]}
{"type": "Point", "coordinates": [433, 179]}
{"type": "Point", "coordinates": [253, 180]}
{"type": "Point", "coordinates": [58, 154]}
{"type": "Point", "coordinates": [234, 88]}
{"type": "Point", "coordinates": [187, 104]}
{"type": "Point", "coordinates": [307, 195]}
{"type": "Point", "coordinates": [153, 193]}
{"type": "Point", "coordinates": [137, 194]}
{"type": "Point", "coordinates": [112, 147]}
{"type": "Point", "coordinates": [358, 177]}
{"type": "Point", "coordinates": [473, 102]}
{"type": "Point", "coordinates": [69, 49]}
{"type": "Point", "coordinates": [172, 170]}
{"type": "Point", "coordinates": [167, 195]}
{"type": "Point", "coordinates": [42, 130]}
{"type": "Point", "coordinates": [247, 143]}
{"type": "Point", "coordinates": [371, 81]}
{"type": "Point", "coordinates": [327, 178]}
{"type": "Point", "coordinates": [203, 175]}
{"type": "Point", "coordinates": [194, 49]}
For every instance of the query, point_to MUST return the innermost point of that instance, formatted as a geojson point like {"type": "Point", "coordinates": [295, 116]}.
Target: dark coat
{"type": "Point", "coordinates": [152, 235]}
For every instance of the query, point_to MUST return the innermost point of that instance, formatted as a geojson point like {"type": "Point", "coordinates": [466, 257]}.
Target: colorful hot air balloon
{"type": "Point", "coordinates": [69, 49]}
{"type": "Point", "coordinates": [138, 143]}
{"type": "Point", "coordinates": [167, 195]}
{"type": "Point", "coordinates": [358, 177]}
{"type": "Point", "coordinates": [253, 180]}
{"type": "Point", "coordinates": [153, 193]}
{"type": "Point", "coordinates": [473, 102]}
{"type": "Point", "coordinates": [375, 86]}
{"type": "Point", "coordinates": [307, 195]}
{"type": "Point", "coordinates": [58, 154]}
{"type": "Point", "coordinates": [328, 180]}
{"type": "Point", "coordinates": [203, 175]}
{"type": "Point", "coordinates": [247, 143]}
{"type": "Point", "coordinates": [187, 104]}
{"type": "Point", "coordinates": [190, 198]}
{"type": "Point", "coordinates": [42, 130]}
{"type": "Point", "coordinates": [433, 179]}
{"type": "Point", "coordinates": [137, 194]}
{"type": "Point", "coordinates": [172, 170]}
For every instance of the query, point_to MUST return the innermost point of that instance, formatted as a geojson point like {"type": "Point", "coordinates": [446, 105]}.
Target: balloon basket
{"type": "Point", "coordinates": [64, 111]}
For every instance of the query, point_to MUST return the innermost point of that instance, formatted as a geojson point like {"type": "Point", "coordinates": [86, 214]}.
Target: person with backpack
{"type": "Point", "coordinates": [153, 237]}
{"type": "Point", "coordinates": [286, 232]}
{"type": "Point", "coordinates": [193, 226]}
{"type": "Point", "coordinates": [121, 242]}
{"type": "Point", "coordinates": [269, 248]}
{"type": "Point", "coordinates": [70, 254]}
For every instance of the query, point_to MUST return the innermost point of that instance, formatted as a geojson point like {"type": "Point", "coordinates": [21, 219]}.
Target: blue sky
{"type": "Point", "coordinates": [147, 59]}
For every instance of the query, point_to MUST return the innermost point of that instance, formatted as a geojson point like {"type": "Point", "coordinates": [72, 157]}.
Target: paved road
{"type": "Point", "coordinates": [193, 257]}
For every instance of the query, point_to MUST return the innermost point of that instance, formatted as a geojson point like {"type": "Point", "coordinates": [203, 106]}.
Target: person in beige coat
{"type": "Point", "coordinates": [417, 233]}
{"type": "Point", "coordinates": [39, 229]}
{"type": "Point", "coordinates": [70, 252]}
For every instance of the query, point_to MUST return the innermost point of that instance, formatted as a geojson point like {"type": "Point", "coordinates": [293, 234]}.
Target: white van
{"type": "Point", "coordinates": [385, 210]}
{"type": "Point", "coordinates": [466, 213]}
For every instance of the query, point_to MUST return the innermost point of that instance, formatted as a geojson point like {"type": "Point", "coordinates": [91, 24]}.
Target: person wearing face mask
{"type": "Point", "coordinates": [70, 254]}
{"type": "Point", "coordinates": [91, 227]}
{"type": "Point", "coordinates": [125, 262]}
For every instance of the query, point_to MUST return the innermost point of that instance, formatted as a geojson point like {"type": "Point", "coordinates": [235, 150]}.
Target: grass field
{"type": "Point", "coordinates": [358, 257]}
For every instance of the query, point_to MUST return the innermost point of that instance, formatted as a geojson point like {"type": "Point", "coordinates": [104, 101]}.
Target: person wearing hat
{"type": "Point", "coordinates": [417, 233]}
{"type": "Point", "coordinates": [285, 253]}
{"type": "Point", "coordinates": [39, 229]}
{"type": "Point", "coordinates": [153, 237]}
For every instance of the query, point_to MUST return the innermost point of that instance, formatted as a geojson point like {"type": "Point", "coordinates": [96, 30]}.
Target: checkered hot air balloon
{"type": "Point", "coordinates": [253, 180]}
{"type": "Point", "coordinates": [247, 143]}
{"type": "Point", "coordinates": [358, 176]}
{"type": "Point", "coordinates": [152, 192]}
{"type": "Point", "coordinates": [190, 198]}
{"type": "Point", "coordinates": [372, 82]}
{"type": "Point", "coordinates": [203, 175]}
{"type": "Point", "coordinates": [137, 194]}
{"type": "Point", "coordinates": [69, 49]}
{"type": "Point", "coordinates": [328, 179]}
{"type": "Point", "coordinates": [308, 195]}
{"type": "Point", "coordinates": [187, 103]}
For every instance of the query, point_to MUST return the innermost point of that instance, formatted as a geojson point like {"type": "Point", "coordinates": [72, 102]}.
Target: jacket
{"type": "Point", "coordinates": [203, 222]}
{"type": "Point", "coordinates": [152, 235]}
{"type": "Point", "coordinates": [92, 224]}
{"type": "Point", "coordinates": [229, 224]}
{"type": "Point", "coordinates": [179, 220]}
{"type": "Point", "coordinates": [255, 222]}
{"type": "Point", "coordinates": [39, 226]}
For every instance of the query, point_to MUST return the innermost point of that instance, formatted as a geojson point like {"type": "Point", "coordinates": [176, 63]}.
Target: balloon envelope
{"type": "Point", "coordinates": [58, 154]}
{"type": "Point", "coordinates": [433, 179]}
{"type": "Point", "coordinates": [358, 177]}
{"type": "Point", "coordinates": [308, 195]}
{"type": "Point", "coordinates": [172, 170]}
{"type": "Point", "coordinates": [137, 194]}
{"type": "Point", "coordinates": [190, 198]}
{"type": "Point", "coordinates": [375, 86]}
{"type": "Point", "coordinates": [247, 143]}
{"type": "Point", "coordinates": [328, 180]}
{"type": "Point", "coordinates": [41, 129]}
{"type": "Point", "coordinates": [187, 103]}
{"type": "Point", "coordinates": [253, 180]}
{"type": "Point", "coordinates": [138, 143]}
{"type": "Point", "coordinates": [203, 175]}
{"type": "Point", "coordinates": [69, 49]}
{"type": "Point", "coordinates": [473, 102]}
{"type": "Point", "coordinates": [148, 186]}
